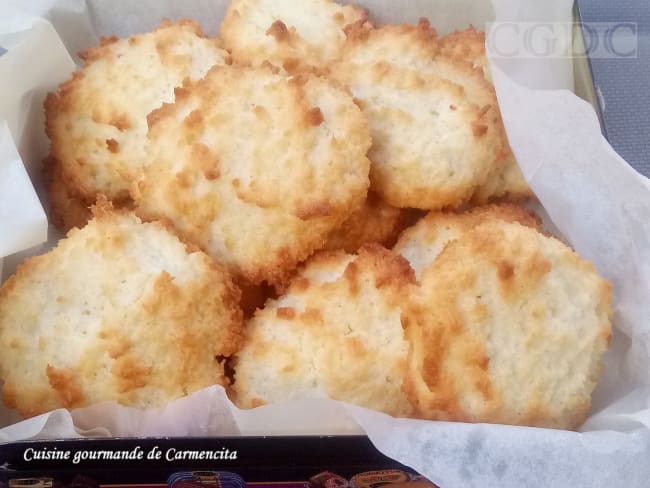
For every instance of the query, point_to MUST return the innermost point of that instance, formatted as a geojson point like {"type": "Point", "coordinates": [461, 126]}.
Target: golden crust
{"type": "Point", "coordinates": [468, 45]}
{"type": "Point", "coordinates": [374, 222]}
{"type": "Point", "coordinates": [416, 47]}
{"type": "Point", "coordinates": [422, 243]}
{"type": "Point", "coordinates": [509, 327]}
{"type": "Point", "coordinates": [101, 317]}
{"type": "Point", "coordinates": [275, 31]}
{"type": "Point", "coordinates": [211, 177]}
{"type": "Point", "coordinates": [336, 333]}
{"type": "Point", "coordinates": [413, 40]}
{"type": "Point", "coordinates": [97, 120]}
{"type": "Point", "coordinates": [437, 132]}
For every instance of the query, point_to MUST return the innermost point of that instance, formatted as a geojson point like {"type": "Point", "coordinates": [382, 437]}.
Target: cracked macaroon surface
{"type": "Point", "coordinates": [435, 123]}
{"type": "Point", "coordinates": [337, 333]}
{"type": "Point", "coordinates": [256, 167]}
{"type": "Point", "coordinates": [119, 310]}
{"type": "Point", "coordinates": [509, 327]}
{"type": "Point", "coordinates": [289, 34]}
{"type": "Point", "coordinates": [97, 121]}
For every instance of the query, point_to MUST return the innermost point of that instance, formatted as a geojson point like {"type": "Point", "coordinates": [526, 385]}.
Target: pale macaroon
{"type": "Point", "coordinates": [508, 182]}
{"type": "Point", "coordinates": [509, 327]}
{"type": "Point", "coordinates": [293, 35]}
{"type": "Point", "coordinates": [423, 242]}
{"type": "Point", "coordinates": [435, 123]}
{"type": "Point", "coordinates": [97, 121]}
{"type": "Point", "coordinates": [256, 167]}
{"type": "Point", "coordinates": [120, 310]}
{"type": "Point", "coordinates": [337, 333]}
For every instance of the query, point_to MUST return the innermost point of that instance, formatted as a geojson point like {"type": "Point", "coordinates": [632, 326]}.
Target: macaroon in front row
{"type": "Point", "coordinates": [119, 310]}
{"type": "Point", "coordinates": [506, 325]}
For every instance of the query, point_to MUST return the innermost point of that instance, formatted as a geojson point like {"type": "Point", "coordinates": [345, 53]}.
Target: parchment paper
{"type": "Point", "coordinates": [593, 197]}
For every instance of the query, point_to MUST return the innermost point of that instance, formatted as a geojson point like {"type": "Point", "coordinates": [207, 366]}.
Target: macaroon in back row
{"type": "Point", "coordinates": [274, 163]}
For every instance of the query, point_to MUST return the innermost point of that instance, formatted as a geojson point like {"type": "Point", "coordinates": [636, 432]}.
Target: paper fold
{"type": "Point", "coordinates": [22, 219]}
{"type": "Point", "coordinates": [23, 85]}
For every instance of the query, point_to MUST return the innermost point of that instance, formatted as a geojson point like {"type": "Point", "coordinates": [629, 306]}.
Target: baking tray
{"type": "Point", "coordinates": [617, 79]}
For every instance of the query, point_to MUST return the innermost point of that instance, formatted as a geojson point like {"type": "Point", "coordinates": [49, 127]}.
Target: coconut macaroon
{"type": "Point", "coordinates": [256, 168]}
{"type": "Point", "coordinates": [509, 327]}
{"type": "Point", "coordinates": [97, 121]}
{"type": "Point", "coordinates": [374, 222]}
{"type": "Point", "coordinates": [437, 132]}
{"type": "Point", "coordinates": [119, 310]}
{"type": "Point", "coordinates": [507, 182]}
{"type": "Point", "coordinates": [417, 47]}
{"type": "Point", "coordinates": [337, 333]}
{"type": "Point", "coordinates": [290, 35]}
{"type": "Point", "coordinates": [422, 243]}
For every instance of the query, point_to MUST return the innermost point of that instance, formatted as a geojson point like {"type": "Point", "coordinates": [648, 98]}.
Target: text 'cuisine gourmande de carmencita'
{"type": "Point", "coordinates": [135, 454]}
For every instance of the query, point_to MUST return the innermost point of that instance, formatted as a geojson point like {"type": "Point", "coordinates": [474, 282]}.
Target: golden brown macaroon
{"type": "Point", "coordinates": [435, 123]}
{"type": "Point", "coordinates": [337, 333]}
{"type": "Point", "coordinates": [256, 168]}
{"type": "Point", "coordinates": [509, 327]}
{"type": "Point", "coordinates": [506, 183]}
{"type": "Point", "coordinates": [290, 35]}
{"type": "Point", "coordinates": [422, 243]}
{"type": "Point", "coordinates": [374, 222]}
{"type": "Point", "coordinates": [119, 310]}
{"type": "Point", "coordinates": [97, 121]}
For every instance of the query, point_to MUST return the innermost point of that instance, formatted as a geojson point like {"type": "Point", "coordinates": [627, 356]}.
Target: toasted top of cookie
{"type": "Point", "coordinates": [336, 333]}
{"type": "Point", "coordinates": [435, 124]}
{"type": "Point", "coordinates": [422, 243]}
{"type": "Point", "coordinates": [119, 310]}
{"type": "Point", "coordinates": [97, 121]}
{"type": "Point", "coordinates": [290, 35]}
{"type": "Point", "coordinates": [509, 327]}
{"type": "Point", "coordinates": [256, 167]}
